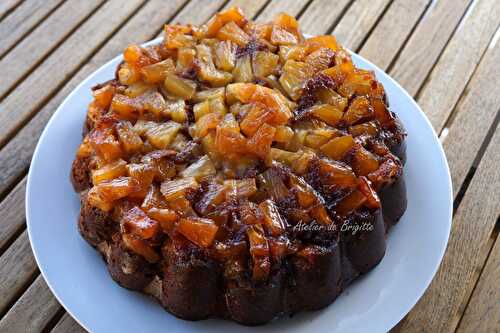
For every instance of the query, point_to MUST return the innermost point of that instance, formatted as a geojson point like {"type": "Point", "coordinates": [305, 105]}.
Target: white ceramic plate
{"type": "Point", "coordinates": [78, 277]}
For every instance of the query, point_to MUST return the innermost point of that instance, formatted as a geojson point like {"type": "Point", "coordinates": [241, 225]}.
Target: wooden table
{"type": "Point", "coordinates": [443, 52]}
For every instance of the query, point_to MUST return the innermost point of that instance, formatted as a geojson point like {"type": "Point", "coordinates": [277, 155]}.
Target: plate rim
{"type": "Point", "coordinates": [442, 157]}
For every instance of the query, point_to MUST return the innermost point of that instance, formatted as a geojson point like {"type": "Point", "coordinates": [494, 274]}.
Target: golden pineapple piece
{"type": "Point", "coordinates": [105, 144]}
{"type": "Point", "coordinates": [156, 73]}
{"type": "Point", "coordinates": [260, 143]}
{"type": "Point", "coordinates": [136, 222]}
{"type": "Point", "coordinates": [320, 214]}
{"type": "Point", "coordinates": [233, 14]}
{"type": "Point", "coordinates": [142, 126]}
{"type": "Point", "coordinates": [293, 52]}
{"type": "Point", "coordinates": [280, 36]}
{"type": "Point", "coordinates": [109, 171]}
{"type": "Point", "coordinates": [336, 148]}
{"type": "Point", "coordinates": [167, 218]}
{"type": "Point", "coordinates": [200, 231]}
{"type": "Point", "coordinates": [259, 250]}
{"type": "Point", "coordinates": [104, 95]}
{"type": "Point", "coordinates": [206, 68]}
{"type": "Point", "coordinates": [144, 174]}
{"type": "Point", "coordinates": [243, 72]}
{"type": "Point", "coordinates": [232, 32]}
{"type": "Point", "coordinates": [126, 107]}
{"type": "Point", "coordinates": [228, 139]}
{"type": "Point", "coordinates": [138, 56]}
{"type": "Point", "coordinates": [138, 88]}
{"type": "Point", "coordinates": [206, 123]}
{"type": "Point", "coordinates": [240, 188]}
{"type": "Point", "coordinates": [200, 169]}
{"type": "Point", "coordinates": [318, 137]}
{"type": "Point", "coordinates": [177, 36]}
{"type": "Point", "coordinates": [283, 134]}
{"type": "Point", "coordinates": [225, 55]}
{"type": "Point", "coordinates": [293, 77]}
{"type": "Point", "coordinates": [273, 221]}
{"type": "Point", "coordinates": [186, 57]}
{"type": "Point", "coordinates": [264, 63]}
{"type": "Point", "coordinates": [287, 22]}
{"type": "Point", "coordinates": [130, 141]}
{"type": "Point", "coordinates": [321, 59]}
{"type": "Point", "coordinates": [335, 173]}
{"type": "Point", "coordinates": [161, 135]}
{"type": "Point", "coordinates": [359, 110]}
{"type": "Point", "coordinates": [363, 162]}
{"type": "Point", "coordinates": [350, 203]}
{"type": "Point", "coordinates": [154, 103]}
{"type": "Point", "coordinates": [211, 93]}
{"type": "Point", "coordinates": [318, 42]}
{"type": "Point", "coordinates": [104, 194]}
{"type": "Point", "coordinates": [372, 198]}
{"type": "Point", "coordinates": [161, 162]}
{"type": "Point", "coordinates": [179, 87]}
{"type": "Point", "coordinates": [330, 96]}
{"type": "Point", "coordinates": [257, 116]}
{"type": "Point", "coordinates": [128, 74]}
{"type": "Point", "coordinates": [176, 110]}
{"type": "Point", "coordinates": [369, 129]}
{"type": "Point", "coordinates": [174, 189]}
{"type": "Point", "coordinates": [339, 74]}
{"type": "Point", "coordinates": [327, 113]}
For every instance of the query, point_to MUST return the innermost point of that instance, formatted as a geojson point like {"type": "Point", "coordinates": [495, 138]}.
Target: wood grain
{"type": "Point", "coordinates": [474, 115]}
{"type": "Point", "coordinates": [482, 313]}
{"type": "Point", "coordinates": [458, 61]}
{"type": "Point", "coordinates": [426, 43]}
{"type": "Point", "coordinates": [28, 96]}
{"type": "Point", "coordinates": [17, 267]}
{"type": "Point", "coordinates": [67, 325]}
{"type": "Point", "coordinates": [316, 20]}
{"type": "Point", "coordinates": [34, 48]}
{"type": "Point", "coordinates": [33, 311]}
{"type": "Point", "coordinates": [392, 31]}
{"type": "Point", "coordinates": [12, 213]}
{"type": "Point", "coordinates": [440, 309]}
{"type": "Point", "coordinates": [6, 6]}
{"type": "Point", "coordinates": [357, 22]}
{"type": "Point", "coordinates": [276, 6]}
{"type": "Point", "coordinates": [22, 20]}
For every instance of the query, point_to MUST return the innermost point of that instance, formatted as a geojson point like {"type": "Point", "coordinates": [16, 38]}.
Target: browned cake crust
{"type": "Point", "coordinates": [237, 190]}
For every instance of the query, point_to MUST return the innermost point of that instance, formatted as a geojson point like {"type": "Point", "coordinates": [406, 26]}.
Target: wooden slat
{"type": "Point", "coordinates": [439, 310]}
{"type": "Point", "coordinates": [33, 311]}
{"type": "Point", "coordinates": [357, 22]}
{"type": "Point", "coordinates": [67, 325]}
{"type": "Point", "coordinates": [6, 6]}
{"type": "Point", "coordinates": [320, 15]}
{"type": "Point", "coordinates": [475, 114]}
{"type": "Point", "coordinates": [483, 311]}
{"type": "Point", "coordinates": [276, 6]}
{"type": "Point", "coordinates": [250, 8]}
{"type": "Point", "coordinates": [392, 30]}
{"type": "Point", "coordinates": [197, 12]}
{"type": "Point", "coordinates": [458, 61]}
{"type": "Point", "coordinates": [60, 65]}
{"type": "Point", "coordinates": [17, 267]}
{"type": "Point", "coordinates": [12, 213]}
{"type": "Point", "coordinates": [24, 18]}
{"type": "Point", "coordinates": [33, 49]}
{"type": "Point", "coordinates": [426, 43]}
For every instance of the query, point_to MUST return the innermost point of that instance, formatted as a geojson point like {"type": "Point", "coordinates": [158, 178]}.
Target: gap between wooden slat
{"type": "Point", "coordinates": [23, 21]}
{"type": "Point", "coordinates": [7, 7]}
{"type": "Point", "coordinates": [25, 106]}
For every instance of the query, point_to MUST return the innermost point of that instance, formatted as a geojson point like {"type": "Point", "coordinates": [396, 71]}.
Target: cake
{"type": "Point", "coordinates": [239, 170]}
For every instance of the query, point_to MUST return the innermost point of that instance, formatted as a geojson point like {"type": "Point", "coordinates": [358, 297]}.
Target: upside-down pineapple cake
{"type": "Point", "coordinates": [239, 170]}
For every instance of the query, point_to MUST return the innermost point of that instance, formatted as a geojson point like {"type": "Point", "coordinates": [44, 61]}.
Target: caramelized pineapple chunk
{"type": "Point", "coordinates": [186, 57]}
{"type": "Point", "coordinates": [259, 250]}
{"type": "Point", "coordinates": [177, 36]}
{"type": "Point", "coordinates": [336, 148]}
{"type": "Point", "coordinates": [240, 188]}
{"type": "Point", "coordinates": [198, 230]}
{"type": "Point", "coordinates": [130, 141]}
{"type": "Point", "coordinates": [264, 63]}
{"type": "Point", "coordinates": [104, 143]}
{"type": "Point", "coordinates": [128, 74]}
{"type": "Point", "coordinates": [233, 14]}
{"type": "Point", "coordinates": [104, 95]}
{"type": "Point", "coordinates": [179, 87]}
{"type": "Point", "coordinates": [232, 32]}
{"type": "Point", "coordinates": [140, 247]}
{"type": "Point", "coordinates": [206, 68]}
{"type": "Point", "coordinates": [156, 73]}
{"type": "Point", "coordinates": [295, 74]}
{"type": "Point", "coordinates": [363, 162]}
{"type": "Point", "coordinates": [273, 221]}
{"type": "Point", "coordinates": [200, 169]}
{"type": "Point", "coordinates": [161, 135]}
{"type": "Point", "coordinates": [109, 171]}
{"type": "Point", "coordinates": [360, 109]}
{"type": "Point", "coordinates": [225, 55]}
{"type": "Point", "coordinates": [178, 188]}
{"type": "Point", "coordinates": [318, 42]}
{"type": "Point", "coordinates": [103, 194]}
{"type": "Point", "coordinates": [243, 72]}
{"type": "Point", "coordinates": [136, 222]}
{"type": "Point", "coordinates": [261, 141]}
{"type": "Point", "coordinates": [327, 113]}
